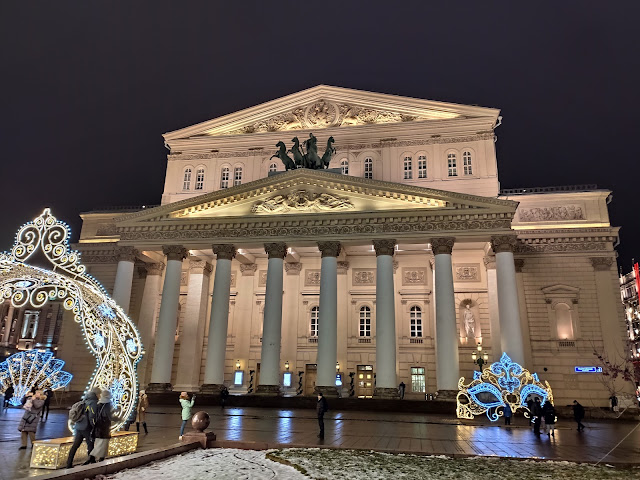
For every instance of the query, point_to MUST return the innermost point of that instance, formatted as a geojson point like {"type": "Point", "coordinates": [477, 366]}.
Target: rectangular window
{"type": "Point", "coordinates": [466, 163]}
{"type": "Point", "coordinates": [224, 179]}
{"type": "Point", "coordinates": [237, 176]}
{"type": "Point", "coordinates": [452, 163]}
{"type": "Point", "coordinates": [365, 327]}
{"type": "Point", "coordinates": [408, 168]}
{"type": "Point", "coordinates": [368, 167]}
{"type": "Point", "coordinates": [422, 166]}
{"type": "Point", "coordinates": [200, 180]}
{"type": "Point", "coordinates": [418, 383]}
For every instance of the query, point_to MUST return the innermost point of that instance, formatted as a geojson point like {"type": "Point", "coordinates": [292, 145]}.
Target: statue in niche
{"type": "Point", "coordinates": [310, 159]}
{"type": "Point", "coordinates": [469, 321]}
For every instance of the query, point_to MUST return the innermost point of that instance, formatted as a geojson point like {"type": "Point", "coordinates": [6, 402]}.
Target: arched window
{"type": "Point", "coordinates": [315, 316]}
{"type": "Point", "coordinates": [368, 167]}
{"type": "Point", "coordinates": [200, 179]}
{"type": "Point", "coordinates": [564, 322]}
{"type": "Point", "coordinates": [273, 167]}
{"type": "Point", "coordinates": [408, 168]}
{"type": "Point", "coordinates": [365, 322]}
{"type": "Point", "coordinates": [422, 166]}
{"type": "Point", "coordinates": [224, 178]}
{"type": "Point", "coordinates": [186, 180]}
{"type": "Point", "coordinates": [452, 163]}
{"type": "Point", "coordinates": [344, 166]}
{"type": "Point", "coordinates": [237, 176]}
{"type": "Point", "coordinates": [416, 322]}
{"type": "Point", "coordinates": [466, 163]}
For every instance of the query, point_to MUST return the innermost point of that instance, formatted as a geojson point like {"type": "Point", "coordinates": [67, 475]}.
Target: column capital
{"type": "Point", "coordinates": [199, 266]}
{"type": "Point", "coordinates": [154, 268]}
{"type": "Point", "coordinates": [248, 269]}
{"type": "Point", "coordinates": [384, 247]}
{"type": "Point", "coordinates": [442, 245]}
{"type": "Point", "coordinates": [601, 263]}
{"type": "Point", "coordinates": [329, 249]}
{"type": "Point", "coordinates": [126, 254]}
{"type": "Point", "coordinates": [293, 268]}
{"type": "Point", "coordinates": [175, 252]}
{"type": "Point", "coordinates": [224, 251]}
{"type": "Point", "coordinates": [504, 243]}
{"type": "Point", "coordinates": [276, 250]}
{"type": "Point", "coordinates": [490, 262]}
{"type": "Point", "coordinates": [519, 264]}
{"type": "Point", "coordinates": [342, 268]}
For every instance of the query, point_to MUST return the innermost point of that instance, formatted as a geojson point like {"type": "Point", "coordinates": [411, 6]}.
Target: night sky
{"type": "Point", "coordinates": [89, 87]}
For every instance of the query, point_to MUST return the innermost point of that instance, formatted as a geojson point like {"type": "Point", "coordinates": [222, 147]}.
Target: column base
{"type": "Point", "coordinates": [268, 390]}
{"type": "Point", "coordinates": [328, 391]}
{"type": "Point", "coordinates": [447, 395]}
{"type": "Point", "coordinates": [159, 388]}
{"type": "Point", "coordinates": [211, 388]}
{"type": "Point", "coordinates": [381, 392]}
{"type": "Point", "coordinates": [205, 439]}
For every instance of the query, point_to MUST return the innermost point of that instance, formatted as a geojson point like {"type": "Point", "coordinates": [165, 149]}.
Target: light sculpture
{"type": "Point", "coordinates": [32, 368]}
{"type": "Point", "coordinates": [501, 383]}
{"type": "Point", "coordinates": [109, 334]}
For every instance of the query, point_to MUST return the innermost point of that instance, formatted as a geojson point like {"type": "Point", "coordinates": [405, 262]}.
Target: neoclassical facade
{"type": "Point", "coordinates": [390, 266]}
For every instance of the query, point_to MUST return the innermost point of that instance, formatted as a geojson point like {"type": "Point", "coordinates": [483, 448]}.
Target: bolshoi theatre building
{"type": "Point", "coordinates": [391, 265]}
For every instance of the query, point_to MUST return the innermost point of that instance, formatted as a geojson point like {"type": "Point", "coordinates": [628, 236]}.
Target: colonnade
{"type": "Point", "coordinates": [447, 368]}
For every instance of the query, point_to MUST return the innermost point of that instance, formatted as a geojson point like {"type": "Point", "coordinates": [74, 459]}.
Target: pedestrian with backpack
{"type": "Point", "coordinates": [29, 422]}
{"type": "Point", "coordinates": [105, 414]}
{"type": "Point", "coordinates": [82, 417]}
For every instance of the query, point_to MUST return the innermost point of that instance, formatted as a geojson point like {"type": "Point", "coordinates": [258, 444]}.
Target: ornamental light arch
{"type": "Point", "coordinates": [110, 335]}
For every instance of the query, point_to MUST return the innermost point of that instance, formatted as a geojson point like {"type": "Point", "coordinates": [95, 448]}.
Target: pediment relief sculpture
{"type": "Point", "coordinates": [303, 201]}
{"type": "Point", "coordinates": [325, 114]}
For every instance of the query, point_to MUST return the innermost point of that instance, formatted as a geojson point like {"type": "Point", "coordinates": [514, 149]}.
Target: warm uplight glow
{"type": "Point", "coordinates": [286, 365]}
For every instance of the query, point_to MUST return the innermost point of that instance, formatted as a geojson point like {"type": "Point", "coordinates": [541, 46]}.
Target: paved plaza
{"type": "Point", "coordinates": [392, 432]}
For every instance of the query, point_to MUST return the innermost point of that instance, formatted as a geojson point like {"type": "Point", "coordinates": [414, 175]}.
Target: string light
{"type": "Point", "coordinates": [500, 384]}
{"type": "Point", "coordinates": [108, 332]}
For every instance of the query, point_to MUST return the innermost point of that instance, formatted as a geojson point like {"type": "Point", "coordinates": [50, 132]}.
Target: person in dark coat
{"type": "Point", "coordinates": [30, 419]}
{"type": "Point", "coordinates": [8, 394]}
{"type": "Point", "coordinates": [530, 404]}
{"type": "Point", "coordinates": [102, 428]}
{"type": "Point", "coordinates": [224, 393]}
{"type": "Point", "coordinates": [321, 407]}
{"type": "Point", "coordinates": [549, 414]}
{"type": "Point", "coordinates": [48, 393]}
{"type": "Point", "coordinates": [82, 429]}
{"type": "Point", "coordinates": [578, 414]}
{"type": "Point", "coordinates": [401, 389]}
{"type": "Point", "coordinates": [537, 416]}
{"type": "Point", "coordinates": [507, 414]}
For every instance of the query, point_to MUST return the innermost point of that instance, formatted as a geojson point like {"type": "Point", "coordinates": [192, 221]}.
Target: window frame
{"type": "Point", "coordinates": [364, 322]}
{"type": "Point", "coordinates": [415, 322]}
{"type": "Point", "coordinates": [224, 179]}
{"type": "Point", "coordinates": [314, 321]}
{"type": "Point", "coordinates": [467, 168]}
{"type": "Point", "coordinates": [368, 168]}
{"type": "Point", "coordinates": [237, 175]}
{"type": "Point", "coordinates": [200, 176]}
{"type": "Point", "coordinates": [407, 172]}
{"type": "Point", "coordinates": [186, 179]}
{"type": "Point", "coordinates": [452, 167]}
{"type": "Point", "coordinates": [344, 166]}
{"type": "Point", "coordinates": [422, 167]}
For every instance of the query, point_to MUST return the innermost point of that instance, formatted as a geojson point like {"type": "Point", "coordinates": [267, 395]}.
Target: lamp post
{"type": "Point", "coordinates": [479, 358]}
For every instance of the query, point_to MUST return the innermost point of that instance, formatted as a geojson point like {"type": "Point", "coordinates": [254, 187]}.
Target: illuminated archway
{"type": "Point", "coordinates": [109, 334]}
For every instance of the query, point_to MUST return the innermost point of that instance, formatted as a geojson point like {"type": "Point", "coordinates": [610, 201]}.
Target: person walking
{"type": "Point", "coordinates": [48, 393]}
{"type": "Point", "coordinates": [186, 405]}
{"type": "Point", "coordinates": [321, 407]}
{"type": "Point", "coordinates": [537, 416]}
{"type": "Point", "coordinates": [30, 419]}
{"type": "Point", "coordinates": [507, 414]}
{"type": "Point", "coordinates": [549, 413]}
{"type": "Point", "coordinates": [143, 405]}
{"type": "Point", "coordinates": [578, 414]}
{"type": "Point", "coordinates": [8, 395]}
{"type": "Point", "coordinates": [105, 414]}
{"type": "Point", "coordinates": [224, 393]}
{"type": "Point", "coordinates": [401, 389]}
{"type": "Point", "coordinates": [83, 427]}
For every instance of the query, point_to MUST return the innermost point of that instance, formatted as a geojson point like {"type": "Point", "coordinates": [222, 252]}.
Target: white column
{"type": "Point", "coordinates": [192, 336]}
{"type": "Point", "coordinates": [290, 318]}
{"type": "Point", "coordinates": [343, 324]}
{"type": "Point", "coordinates": [510, 328]}
{"type": "Point", "coordinates": [124, 277]}
{"type": "Point", "coordinates": [167, 320]}
{"type": "Point", "coordinates": [386, 385]}
{"type": "Point", "coordinates": [147, 317]}
{"type": "Point", "coordinates": [494, 314]}
{"type": "Point", "coordinates": [328, 319]}
{"type": "Point", "coordinates": [447, 360]}
{"type": "Point", "coordinates": [272, 327]}
{"type": "Point", "coordinates": [219, 320]}
{"type": "Point", "coordinates": [524, 313]}
{"type": "Point", "coordinates": [7, 324]}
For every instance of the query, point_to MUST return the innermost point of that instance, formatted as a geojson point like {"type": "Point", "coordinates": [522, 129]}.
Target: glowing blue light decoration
{"type": "Point", "coordinates": [32, 368]}
{"type": "Point", "coordinates": [110, 335]}
{"type": "Point", "coordinates": [117, 392]}
{"type": "Point", "coordinates": [500, 384]}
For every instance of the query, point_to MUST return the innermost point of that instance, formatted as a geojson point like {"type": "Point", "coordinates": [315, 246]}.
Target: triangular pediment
{"type": "Point", "coordinates": [325, 106]}
{"type": "Point", "coordinates": [303, 192]}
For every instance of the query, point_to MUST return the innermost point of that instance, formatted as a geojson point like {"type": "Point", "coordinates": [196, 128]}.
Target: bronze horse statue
{"type": "Point", "coordinates": [298, 157]}
{"type": "Point", "coordinates": [282, 155]}
{"type": "Point", "coordinates": [328, 153]}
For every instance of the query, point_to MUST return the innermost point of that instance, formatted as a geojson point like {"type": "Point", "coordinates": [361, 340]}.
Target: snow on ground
{"type": "Point", "coordinates": [326, 464]}
{"type": "Point", "coordinates": [218, 463]}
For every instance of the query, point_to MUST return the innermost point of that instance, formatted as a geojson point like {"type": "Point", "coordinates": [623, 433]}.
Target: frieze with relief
{"type": "Point", "coordinates": [312, 278]}
{"type": "Point", "coordinates": [414, 276]}
{"type": "Point", "coordinates": [262, 278]}
{"type": "Point", "coordinates": [362, 276]}
{"type": "Point", "coordinates": [303, 201]}
{"type": "Point", "coordinates": [553, 214]}
{"type": "Point", "coordinates": [467, 272]}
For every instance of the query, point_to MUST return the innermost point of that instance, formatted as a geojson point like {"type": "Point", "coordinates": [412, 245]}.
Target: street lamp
{"type": "Point", "coordinates": [286, 366]}
{"type": "Point", "coordinates": [337, 366]}
{"type": "Point", "coordinates": [479, 358]}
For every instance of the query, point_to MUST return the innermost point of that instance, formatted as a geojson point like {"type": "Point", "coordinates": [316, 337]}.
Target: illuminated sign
{"type": "Point", "coordinates": [286, 381]}
{"type": "Point", "coordinates": [588, 369]}
{"type": "Point", "coordinates": [338, 380]}
{"type": "Point", "coordinates": [237, 377]}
